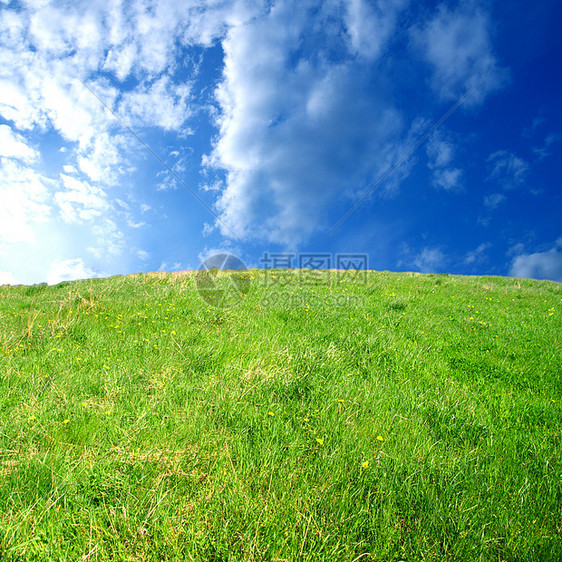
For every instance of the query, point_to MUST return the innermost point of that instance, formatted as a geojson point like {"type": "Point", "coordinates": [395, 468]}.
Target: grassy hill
{"type": "Point", "coordinates": [325, 416]}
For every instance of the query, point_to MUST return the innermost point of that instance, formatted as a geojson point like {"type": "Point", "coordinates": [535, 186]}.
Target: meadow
{"type": "Point", "coordinates": [326, 416]}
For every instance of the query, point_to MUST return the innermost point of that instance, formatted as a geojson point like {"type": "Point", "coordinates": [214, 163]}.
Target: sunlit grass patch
{"type": "Point", "coordinates": [420, 420]}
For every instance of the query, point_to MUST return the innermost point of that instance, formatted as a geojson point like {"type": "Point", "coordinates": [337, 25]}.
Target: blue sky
{"type": "Point", "coordinates": [148, 135]}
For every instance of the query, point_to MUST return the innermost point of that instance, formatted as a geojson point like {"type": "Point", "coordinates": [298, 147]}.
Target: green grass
{"type": "Point", "coordinates": [417, 420]}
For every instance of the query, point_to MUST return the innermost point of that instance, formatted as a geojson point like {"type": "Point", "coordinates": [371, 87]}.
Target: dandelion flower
{"type": "Point", "coordinates": [365, 464]}
{"type": "Point", "coordinates": [271, 414]}
{"type": "Point", "coordinates": [66, 421]}
{"type": "Point", "coordinates": [341, 400]}
{"type": "Point", "coordinates": [380, 438]}
{"type": "Point", "coordinates": [306, 419]}
{"type": "Point", "coordinates": [85, 404]}
{"type": "Point", "coordinates": [319, 441]}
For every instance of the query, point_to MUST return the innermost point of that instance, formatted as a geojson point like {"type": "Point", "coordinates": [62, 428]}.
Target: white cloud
{"type": "Point", "coordinates": [13, 145]}
{"type": "Point", "coordinates": [290, 142]}
{"type": "Point", "coordinates": [120, 60]}
{"type": "Point", "coordinates": [175, 266]}
{"type": "Point", "coordinates": [429, 260]}
{"type": "Point", "coordinates": [370, 24]}
{"type": "Point", "coordinates": [545, 150]}
{"type": "Point", "coordinates": [516, 249]}
{"type": "Point", "coordinates": [457, 45]}
{"type": "Point", "coordinates": [80, 201]}
{"type": "Point", "coordinates": [440, 152]}
{"type": "Point", "coordinates": [507, 169]}
{"type": "Point", "coordinates": [477, 255]}
{"type": "Point", "coordinates": [26, 201]}
{"type": "Point", "coordinates": [540, 265]}
{"type": "Point", "coordinates": [447, 178]}
{"type": "Point", "coordinates": [108, 240]}
{"type": "Point", "coordinates": [69, 270]}
{"type": "Point", "coordinates": [6, 278]}
{"type": "Point", "coordinates": [104, 160]}
{"type": "Point", "coordinates": [494, 200]}
{"type": "Point", "coordinates": [160, 104]}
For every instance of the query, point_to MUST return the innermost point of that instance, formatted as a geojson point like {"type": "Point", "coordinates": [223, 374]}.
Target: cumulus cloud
{"type": "Point", "coordinates": [69, 270]}
{"type": "Point", "coordinates": [539, 265]}
{"type": "Point", "coordinates": [290, 141]}
{"type": "Point", "coordinates": [457, 45]}
{"type": "Point", "coordinates": [6, 278]}
{"type": "Point", "coordinates": [105, 160]}
{"type": "Point", "coordinates": [13, 145]}
{"type": "Point", "coordinates": [370, 24]}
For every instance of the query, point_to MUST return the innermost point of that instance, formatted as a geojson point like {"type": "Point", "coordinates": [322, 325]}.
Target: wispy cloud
{"type": "Point", "coordinates": [477, 255]}
{"type": "Point", "coordinates": [80, 201]}
{"type": "Point", "coordinates": [457, 45]}
{"type": "Point", "coordinates": [494, 200]}
{"type": "Point", "coordinates": [430, 259]}
{"type": "Point", "coordinates": [509, 170]}
{"type": "Point", "coordinates": [546, 149]}
{"type": "Point", "coordinates": [440, 152]}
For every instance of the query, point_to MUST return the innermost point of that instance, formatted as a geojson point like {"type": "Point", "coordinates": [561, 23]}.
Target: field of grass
{"type": "Point", "coordinates": [327, 416]}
